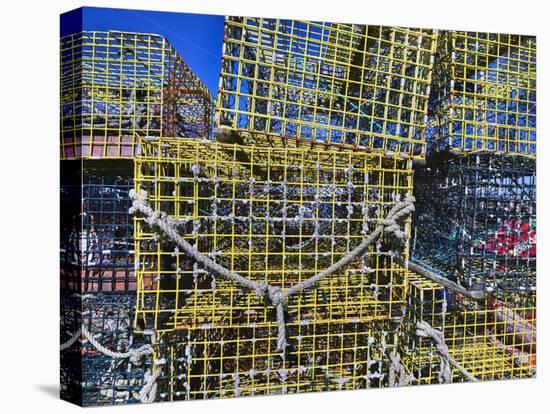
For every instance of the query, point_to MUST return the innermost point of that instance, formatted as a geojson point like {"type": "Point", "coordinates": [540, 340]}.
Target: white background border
{"type": "Point", "coordinates": [29, 204]}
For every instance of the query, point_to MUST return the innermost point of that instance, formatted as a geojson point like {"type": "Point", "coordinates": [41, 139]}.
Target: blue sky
{"type": "Point", "coordinates": [197, 37]}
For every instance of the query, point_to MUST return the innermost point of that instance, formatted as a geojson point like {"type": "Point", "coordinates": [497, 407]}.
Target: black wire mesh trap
{"type": "Point", "coordinates": [103, 379]}
{"type": "Point", "coordinates": [97, 251]}
{"type": "Point", "coordinates": [475, 220]}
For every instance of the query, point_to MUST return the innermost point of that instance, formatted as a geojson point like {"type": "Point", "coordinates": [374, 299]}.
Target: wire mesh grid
{"type": "Point", "coordinates": [492, 338]}
{"type": "Point", "coordinates": [231, 362]}
{"type": "Point", "coordinates": [358, 86]}
{"type": "Point", "coordinates": [116, 85]}
{"type": "Point", "coordinates": [108, 318]}
{"type": "Point", "coordinates": [97, 245]}
{"type": "Point", "coordinates": [484, 93]}
{"type": "Point", "coordinates": [276, 215]}
{"type": "Point", "coordinates": [475, 220]}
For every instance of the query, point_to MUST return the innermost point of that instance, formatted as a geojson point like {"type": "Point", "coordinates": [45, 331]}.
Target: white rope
{"type": "Point", "coordinates": [397, 369]}
{"type": "Point", "coordinates": [425, 330]}
{"type": "Point", "coordinates": [270, 294]}
{"type": "Point", "coordinates": [148, 392]}
{"type": "Point", "coordinates": [135, 355]}
{"type": "Point", "coordinates": [71, 340]}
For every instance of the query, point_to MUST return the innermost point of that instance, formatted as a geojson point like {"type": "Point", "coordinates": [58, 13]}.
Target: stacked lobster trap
{"type": "Point", "coordinates": [232, 362]}
{"type": "Point", "coordinates": [277, 218]}
{"type": "Point", "coordinates": [270, 254]}
{"type": "Point", "coordinates": [476, 196]}
{"type": "Point", "coordinates": [93, 374]}
{"type": "Point", "coordinates": [115, 86]}
{"type": "Point", "coordinates": [475, 219]}
{"type": "Point", "coordinates": [97, 248]}
{"type": "Point", "coordinates": [98, 282]}
{"type": "Point", "coordinates": [317, 126]}
{"type": "Point", "coordinates": [484, 94]}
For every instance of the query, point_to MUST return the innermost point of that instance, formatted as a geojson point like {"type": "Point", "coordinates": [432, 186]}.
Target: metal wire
{"type": "Point", "coordinates": [102, 380]}
{"type": "Point", "coordinates": [316, 122]}
{"type": "Point", "coordinates": [492, 339]}
{"type": "Point", "coordinates": [229, 362]}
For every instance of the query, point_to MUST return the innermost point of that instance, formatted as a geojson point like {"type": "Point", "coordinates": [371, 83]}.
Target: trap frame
{"type": "Point", "coordinates": [484, 93]}
{"type": "Point", "coordinates": [475, 220]}
{"type": "Point", "coordinates": [116, 85]}
{"type": "Point", "coordinates": [97, 246]}
{"type": "Point", "coordinates": [276, 215]}
{"type": "Point", "coordinates": [286, 81]}
{"type": "Point", "coordinates": [492, 338]}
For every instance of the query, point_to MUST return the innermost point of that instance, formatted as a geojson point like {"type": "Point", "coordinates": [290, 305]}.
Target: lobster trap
{"type": "Point", "coordinates": [97, 246]}
{"type": "Point", "coordinates": [272, 215]}
{"type": "Point", "coordinates": [285, 81]}
{"type": "Point", "coordinates": [475, 220]}
{"type": "Point", "coordinates": [117, 85]}
{"type": "Point", "coordinates": [232, 362]}
{"type": "Point", "coordinates": [103, 380]}
{"type": "Point", "coordinates": [492, 338]}
{"type": "Point", "coordinates": [484, 93]}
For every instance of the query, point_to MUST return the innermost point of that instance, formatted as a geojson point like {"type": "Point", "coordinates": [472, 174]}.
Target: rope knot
{"type": "Point", "coordinates": [137, 354]}
{"type": "Point", "coordinates": [391, 227]}
{"type": "Point", "coordinates": [261, 289]}
{"type": "Point", "coordinates": [271, 295]}
{"type": "Point", "coordinates": [139, 201]}
{"type": "Point", "coordinates": [276, 296]}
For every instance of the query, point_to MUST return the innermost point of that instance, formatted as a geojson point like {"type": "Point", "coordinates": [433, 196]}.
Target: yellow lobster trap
{"type": "Point", "coordinates": [272, 215]}
{"type": "Point", "coordinates": [485, 96]}
{"type": "Point", "coordinates": [289, 81]}
{"type": "Point", "coordinates": [490, 338]}
{"type": "Point", "coordinates": [119, 85]}
{"type": "Point", "coordinates": [232, 362]}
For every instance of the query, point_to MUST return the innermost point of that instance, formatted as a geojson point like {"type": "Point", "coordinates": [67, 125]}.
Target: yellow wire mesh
{"type": "Point", "coordinates": [230, 362]}
{"type": "Point", "coordinates": [352, 85]}
{"type": "Point", "coordinates": [278, 215]}
{"type": "Point", "coordinates": [492, 339]}
{"type": "Point", "coordinates": [116, 85]}
{"type": "Point", "coordinates": [486, 93]}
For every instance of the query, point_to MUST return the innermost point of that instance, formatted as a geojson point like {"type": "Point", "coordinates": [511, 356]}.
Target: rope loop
{"type": "Point", "coordinates": [425, 330]}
